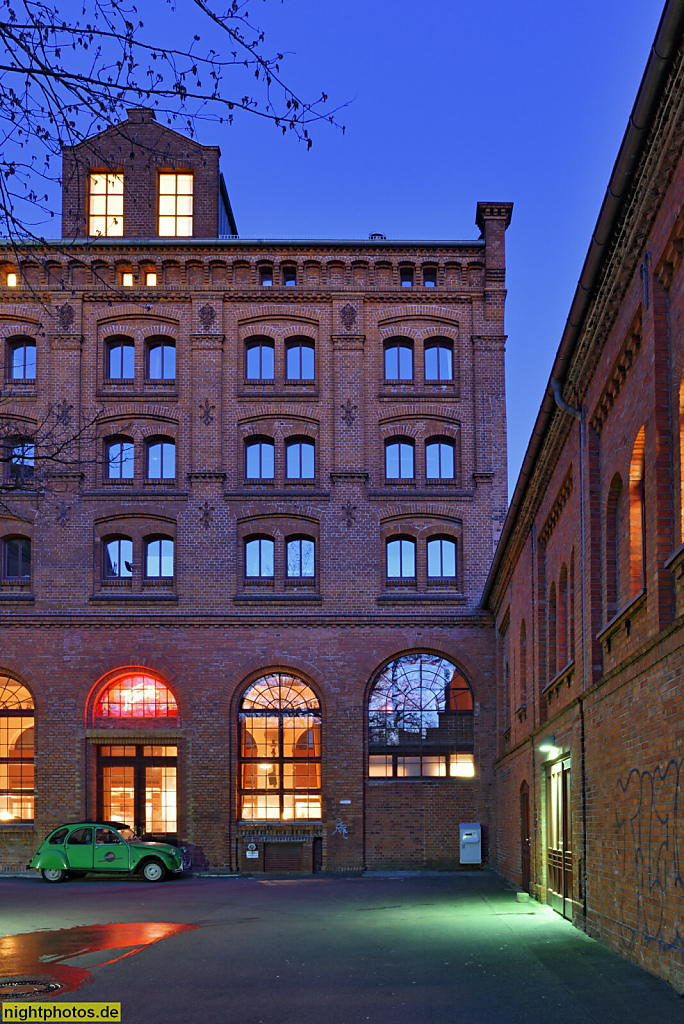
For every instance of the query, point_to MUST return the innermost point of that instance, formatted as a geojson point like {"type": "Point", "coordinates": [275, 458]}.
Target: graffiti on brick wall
{"type": "Point", "coordinates": [649, 884]}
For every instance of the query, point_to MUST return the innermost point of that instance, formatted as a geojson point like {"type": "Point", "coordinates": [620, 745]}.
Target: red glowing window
{"type": "Point", "coordinates": [137, 696]}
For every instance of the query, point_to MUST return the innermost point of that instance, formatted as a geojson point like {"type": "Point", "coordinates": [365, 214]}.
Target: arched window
{"type": "Point", "coordinates": [300, 557]}
{"type": "Point", "coordinates": [441, 557]}
{"type": "Point", "coordinates": [439, 459]}
{"type": "Point", "coordinates": [119, 453]}
{"type": "Point", "coordinates": [259, 557]}
{"type": "Point", "coordinates": [399, 460]}
{"type": "Point", "coordinates": [571, 608]}
{"type": "Point", "coordinates": [259, 459]}
{"type": "Point", "coordinates": [161, 459]}
{"type": "Point", "coordinates": [523, 662]}
{"type": "Point", "coordinates": [439, 360]}
{"type": "Point", "coordinates": [614, 518]}
{"type": "Point", "coordinates": [17, 558]}
{"type": "Point", "coordinates": [280, 750]}
{"type": "Point", "coordinates": [137, 696]}
{"type": "Point", "coordinates": [118, 558]}
{"type": "Point", "coordinates": [420, 720]}
{"type": "Point", "coordinates": [401, 558]}
{"type": "Point", "coordinates": [553, 625]}
{"type": "Point", "coordinates": [159, 558]}
{"type": "Point", "coordinates": [300, 359]}
{"type": "Point", "coordinates": [121, 359]}
{"type": "Point", "coordinates": [288, 275]}
{"type": "Point", "coordinates": [398, 359]}
{"type": "Point", "coordinates": [299, 460]}
{"type": "Point", "coordinates": [637, 517]}
{"type": "Point", "coordinates": [21, 460]}
{"type": "Point", "coordinates": [260, 360]}
{"type": "Point", "coordinates": [21, 362]}
{"type": "Point", "coordinates": [161, 360]}
{"type": "Point", "coordinates": [562, 629]}
{"type": "Point", "coordinates": [16, 752]}
{"type": "Point", "coordinates": [406, 276]}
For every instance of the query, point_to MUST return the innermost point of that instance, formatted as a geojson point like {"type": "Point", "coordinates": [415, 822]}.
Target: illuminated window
{"type": "Point", "coordinates": [439, 460]}
{"type": "Point", "coordinates": [11, 279]}
{"type": "Point", "coordinates": [280, 751]}
{"type": "Point", "coordinates": [175, 205]}
{"type": "Point", "coordinates": [151, 278]}
{"type": "Point", "coordinates": [127, 280]}
{"type": "Point", "coordinates": [119, 459]}
{"type": "Point", "coordinates": [259, 459]}
{"type": "Point", "coordinates": [106, 204]}
{"type": "Point", "coordinates": [16, 751]}
{"type": "Point", "coordinates": [137, 784]}
{"type": "Point", "coordinates": [21, 361]}
{"type": "Point", "coordinates": [439, 360]}
{"type": "Point", "coordinates": [161, 360]}
{"type": "Point", "coordinates": [420, 720]}
{"type": "Point", "coordinates": [137, 696]}
{"type": "Point", "coordinates": [17, 560]}
{"type": "Point", "coordinates": [398, 360]}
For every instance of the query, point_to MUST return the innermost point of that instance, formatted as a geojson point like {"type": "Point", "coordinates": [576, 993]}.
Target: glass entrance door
{"type": "Point", "coordinates": [559, 839]}
{"type": "Point", "coordinates": [137, 784]}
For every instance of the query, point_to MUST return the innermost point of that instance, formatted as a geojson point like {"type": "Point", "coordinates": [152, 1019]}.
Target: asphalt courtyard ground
{"type": "Point", "coordinates": [449, 949]}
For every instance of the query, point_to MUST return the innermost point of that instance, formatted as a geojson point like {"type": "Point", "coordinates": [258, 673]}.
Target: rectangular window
{"type": "Point", "coordinates": [175, 205]}
{"type": "Point", "coordinates": [106, 204]}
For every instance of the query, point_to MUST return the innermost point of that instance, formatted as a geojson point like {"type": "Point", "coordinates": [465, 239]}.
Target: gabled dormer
{"type": "Point", "coordinates": [140, 179]}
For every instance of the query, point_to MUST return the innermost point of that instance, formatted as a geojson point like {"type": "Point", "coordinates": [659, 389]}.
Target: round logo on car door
{"type": "Point", "coordinates": [110, 856]}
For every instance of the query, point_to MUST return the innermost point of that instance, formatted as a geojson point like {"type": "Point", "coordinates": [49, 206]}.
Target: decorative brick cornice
{"type": "Point", "coordinates": [207, 341]}
{"type": "Point", "coordinates": [559, 504]}
{"type": "Point", "coordinates": [350, 342]}
{"type": "Point", "coordinates": [618, 375]}
{"type": "Point", "coordinates": [65, 341]}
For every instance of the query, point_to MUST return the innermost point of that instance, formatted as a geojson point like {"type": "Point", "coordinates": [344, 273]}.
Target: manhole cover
{"type": "Point", "coordinates": [14, 988]}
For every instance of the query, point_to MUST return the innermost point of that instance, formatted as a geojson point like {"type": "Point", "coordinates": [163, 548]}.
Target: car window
{"type": "Point", "coordinates": [58, 838]}
{"type": "Point", "coordinates": [105, 836]}
{"type": "Point", "coordinates": [81, 837]}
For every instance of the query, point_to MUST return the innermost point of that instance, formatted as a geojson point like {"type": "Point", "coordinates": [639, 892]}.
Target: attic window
{"type": "Point", "coordinates": [175, 205]}
{"type": "Point", "coordinates": [151, 279]}
{"type": "Point", "coordinates": [106, 204]}
{"type": "Point", "coordinates": [127, 279]}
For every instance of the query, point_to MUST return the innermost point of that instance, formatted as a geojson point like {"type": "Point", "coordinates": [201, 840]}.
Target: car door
{"type": "Point", "coordinates": [79, 849]}
{"type": "Point", "coordinates": [111, 852]}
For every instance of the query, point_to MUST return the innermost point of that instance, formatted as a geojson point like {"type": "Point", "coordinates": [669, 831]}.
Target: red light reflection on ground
{"type": "Point", "coordinates": [38, 954]}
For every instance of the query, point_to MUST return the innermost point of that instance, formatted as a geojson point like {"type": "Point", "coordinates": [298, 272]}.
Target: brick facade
{"type": "Point", "coordinates": [586, 586]}
{"type": "Point", "coordinates": [210, 630]}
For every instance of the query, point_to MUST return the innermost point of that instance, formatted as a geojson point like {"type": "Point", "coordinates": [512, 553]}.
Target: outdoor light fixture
{"type": "Point", "coordinates": [548, 747]}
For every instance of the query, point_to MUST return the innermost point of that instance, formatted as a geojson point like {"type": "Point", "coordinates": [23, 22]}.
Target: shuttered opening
{"type": "Point", "coordinates": [283, 857]}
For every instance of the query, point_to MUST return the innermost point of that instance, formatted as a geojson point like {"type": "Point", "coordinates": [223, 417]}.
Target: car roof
{"type": "Point", "coordinates": [91, 821]}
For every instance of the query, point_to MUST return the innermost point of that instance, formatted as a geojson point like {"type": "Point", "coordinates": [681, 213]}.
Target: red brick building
{"type": "Point", "coordinates": [587, 582]}
{"type": "Point", "coordinates": [247, 613]}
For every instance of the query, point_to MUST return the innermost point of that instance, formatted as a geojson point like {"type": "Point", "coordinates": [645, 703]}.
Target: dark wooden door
{"type": "Point", "coordinates": [525, 837]}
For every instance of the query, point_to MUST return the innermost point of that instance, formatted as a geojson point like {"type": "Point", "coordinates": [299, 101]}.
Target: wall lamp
{"type": "Point", "coordinates": [548, 747]}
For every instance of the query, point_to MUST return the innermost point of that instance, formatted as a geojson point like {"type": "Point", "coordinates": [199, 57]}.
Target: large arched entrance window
{"type": "Point", "coordinates": [280, 750]}
{"type": "Point", "coordinates": [420, 720]}
{"type": "Point", "coordinates": [16, 751]}
{"type": "Point", "coordinates": [137, 781]}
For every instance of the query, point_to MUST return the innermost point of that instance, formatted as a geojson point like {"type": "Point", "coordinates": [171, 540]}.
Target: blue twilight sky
{"type": "Point", "coordinates": [450, 102]}
{"type": "Point", "coordinates": [453, 102]}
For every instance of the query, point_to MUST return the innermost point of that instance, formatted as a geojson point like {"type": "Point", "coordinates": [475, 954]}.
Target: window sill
{"type": "Point", "coordinates": [134, 598]}
{"type": "Point", "coordinates": [161, 484]}
{"type": "Point", "coordinates": [560, 678]}
{"type": "Point", "coordinates": [436, 598]}
{"type": "Point", "coordinates": [624, 615]}
{"type": "Point", "coordinates": [18, 594]}
{"type": "Point", "coordinates": [280, 598]}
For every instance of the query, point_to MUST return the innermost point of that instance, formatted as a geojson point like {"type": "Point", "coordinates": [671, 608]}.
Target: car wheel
{"type": "Point", "coordinates": [153, 871]}
{"type": "Point", "coordinates": [54, 875]}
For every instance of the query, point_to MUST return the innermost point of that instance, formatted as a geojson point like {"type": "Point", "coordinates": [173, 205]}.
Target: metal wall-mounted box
{"type": "Point", "coordinates": [471, 843]}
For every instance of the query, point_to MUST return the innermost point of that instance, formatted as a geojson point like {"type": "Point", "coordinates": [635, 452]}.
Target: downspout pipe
{"type": "Point", "coordinates": [579, 414]}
